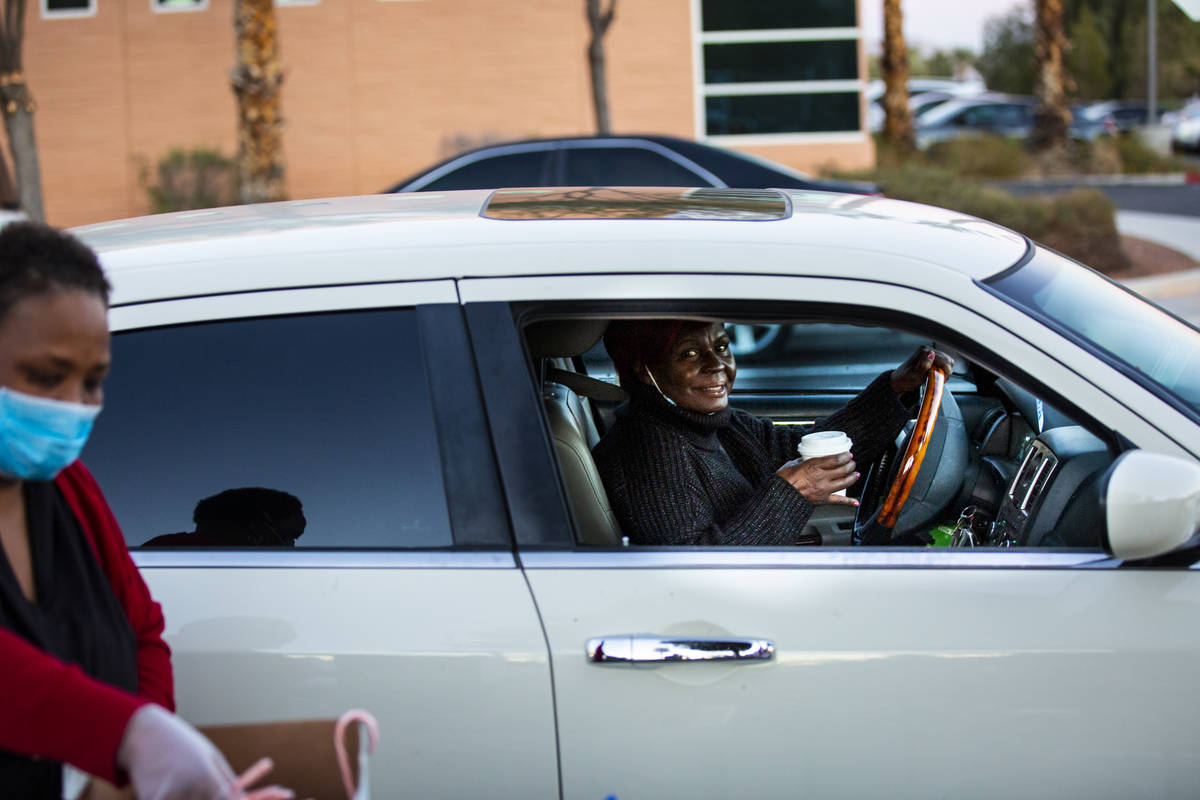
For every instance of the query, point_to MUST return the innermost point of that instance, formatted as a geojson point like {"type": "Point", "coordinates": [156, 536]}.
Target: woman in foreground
{"type": "Point", "coordinates": [87, 687]}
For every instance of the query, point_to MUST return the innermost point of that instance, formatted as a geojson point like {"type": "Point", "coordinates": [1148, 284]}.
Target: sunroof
{"type": "Point", "coordinates": [637, 203]}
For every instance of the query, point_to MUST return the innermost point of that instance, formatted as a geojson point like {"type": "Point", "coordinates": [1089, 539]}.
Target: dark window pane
{"type": "Point", "coordinates": [67, 5]}
{"type": "Point", "coordinates": [734, 15]}
{"type": "Point", "coordinates": [625, 166]}
{"type": "Point", "coordinates": [516, 169]}
{"type": "Point", "coordinates": [333, 409]}
{"type": "Point", "coordinates": [780, 61]}
{"type": "Point", "coordinates": [782, 113]}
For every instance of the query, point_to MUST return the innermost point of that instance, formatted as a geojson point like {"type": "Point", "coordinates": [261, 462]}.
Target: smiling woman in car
{"type": "Point", "coordinates": [684, 468]}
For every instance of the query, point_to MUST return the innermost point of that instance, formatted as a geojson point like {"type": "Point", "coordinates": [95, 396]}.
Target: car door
{"type": "Point", "coordinates": [349, 417]}
{"type": "Point", "coordinates": [894, 672]}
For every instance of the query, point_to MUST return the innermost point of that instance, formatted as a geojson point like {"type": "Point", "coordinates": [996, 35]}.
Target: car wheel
{"type": "Point", "coordinates": [758, 340]}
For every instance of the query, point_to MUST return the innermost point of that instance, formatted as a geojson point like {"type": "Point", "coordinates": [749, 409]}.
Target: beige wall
{"type": "Point", "coordinates": [374, 91]}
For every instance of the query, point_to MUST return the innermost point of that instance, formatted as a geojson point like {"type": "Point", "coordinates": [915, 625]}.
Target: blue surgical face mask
{"type": "Point", "coordinates": [39, 436]}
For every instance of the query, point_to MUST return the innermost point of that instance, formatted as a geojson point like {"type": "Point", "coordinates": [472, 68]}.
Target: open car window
{"type": "Point", "coordinates": [1005, 468]}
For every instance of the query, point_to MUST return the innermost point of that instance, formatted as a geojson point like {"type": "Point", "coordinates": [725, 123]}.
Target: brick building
{"type": "Point", "coordinates": [378, 89]}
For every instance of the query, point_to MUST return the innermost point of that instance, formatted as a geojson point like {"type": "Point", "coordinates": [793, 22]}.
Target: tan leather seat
{"type": "Point", "coordinates": [571, 426]}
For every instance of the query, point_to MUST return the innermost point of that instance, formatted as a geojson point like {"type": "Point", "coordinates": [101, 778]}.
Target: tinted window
{"type": "Point", "coordinates": [782, 113]}
{"type": "Point", "coordinates": [625, 166]}
{"type": "Point", "coordinates": [331, 409]}
{"type": "Point", "coordinates": [732, 15]}
{"type": "Point", "coordinates": [781, 61]}
{"type": "Point", "coordinates": [516, 169]}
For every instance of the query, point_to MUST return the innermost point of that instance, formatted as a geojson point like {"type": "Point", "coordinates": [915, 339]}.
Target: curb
{"type": "Point", "coordinates": [1164, 179]}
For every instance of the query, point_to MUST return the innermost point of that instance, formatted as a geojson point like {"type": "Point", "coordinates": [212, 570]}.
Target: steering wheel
{"type": "Point", "coordinates": [877, 529]}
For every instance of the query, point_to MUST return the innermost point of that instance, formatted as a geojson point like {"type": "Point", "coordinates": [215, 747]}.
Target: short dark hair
{"type": "Point", "coordinates": [36, 258]}
{"type": "Point", "coordinates": [236, 513]}
{"type": "Point", "coordinates": [636, 343]}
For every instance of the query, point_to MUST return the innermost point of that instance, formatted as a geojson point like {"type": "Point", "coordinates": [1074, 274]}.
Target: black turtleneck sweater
{"type": "Point", "coordinates": [676, 477]}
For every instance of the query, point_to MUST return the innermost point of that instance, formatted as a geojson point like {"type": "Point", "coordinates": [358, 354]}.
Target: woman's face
{"type": "Point", "coordinates": [55, 345]}
{"type": "Point", "coordinates": [698, 371]}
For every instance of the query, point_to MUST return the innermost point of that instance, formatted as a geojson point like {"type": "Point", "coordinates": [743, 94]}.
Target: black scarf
{"type": "Point", "coordinates": [76, 618]}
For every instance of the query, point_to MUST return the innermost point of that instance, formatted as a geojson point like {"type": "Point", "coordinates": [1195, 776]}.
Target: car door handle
{"type": "Point", "coordinates": [649, 649]}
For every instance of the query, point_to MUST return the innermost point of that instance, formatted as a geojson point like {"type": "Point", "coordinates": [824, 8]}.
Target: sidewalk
{"type": "Point", "coordinates": [1177, 231]}
{"type": "Point", "coordinates": [1178, 292]}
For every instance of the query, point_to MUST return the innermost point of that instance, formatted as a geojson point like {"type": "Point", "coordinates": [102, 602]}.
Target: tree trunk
{"type": "Point", "coordinates": [16, 103]}
{"type": "Point", "coordinates": [898, 122]}
{"type": "Point", "coordinates": [1052, 118]}
{"type": "Point", "coordinates": [598, 22]}
{"type": "Point", "coordinates": [257, 80]}
{"type": "Point", "coordinates": [18, 122]}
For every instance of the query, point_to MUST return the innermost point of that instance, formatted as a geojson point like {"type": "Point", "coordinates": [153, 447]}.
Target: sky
{"type": "Point", "coordinates": [937, 24]}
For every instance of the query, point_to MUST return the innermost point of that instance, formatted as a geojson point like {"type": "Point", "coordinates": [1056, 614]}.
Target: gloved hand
{"type": "Point", "coordinates": [168, 759]}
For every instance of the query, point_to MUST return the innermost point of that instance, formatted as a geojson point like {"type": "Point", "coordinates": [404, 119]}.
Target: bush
{"type": "Point", "coordinates": [1138, 157]}
{"type": "Point", "coordinates": [1079, 223]}
{"type": "Point", "coordinates": [994, 157]}
{"type": "Point", "coordinates": [186, 179]}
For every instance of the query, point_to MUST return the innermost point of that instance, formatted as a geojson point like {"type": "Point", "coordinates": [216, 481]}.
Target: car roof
{"type": "Point", "coordinates": [432, 236]}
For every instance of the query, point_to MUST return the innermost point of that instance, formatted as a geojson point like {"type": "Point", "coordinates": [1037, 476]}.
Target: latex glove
{"type": "Point", "coordinates": [168, 759]}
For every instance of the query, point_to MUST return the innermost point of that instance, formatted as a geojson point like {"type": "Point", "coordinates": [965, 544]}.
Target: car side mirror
{"type": "Point", "coordinates": [1151, 503]}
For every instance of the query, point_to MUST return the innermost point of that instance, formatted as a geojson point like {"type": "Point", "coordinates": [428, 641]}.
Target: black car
{"type": "Point", "coordinates": [614, 161]}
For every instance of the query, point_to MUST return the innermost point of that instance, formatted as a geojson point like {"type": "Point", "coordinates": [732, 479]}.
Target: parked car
{"type": "Point", "coordinates": [615, 160]}
{"type": "Point", "coordinates": [399, 364]}
{"type": "Point", "coordinates": [1117, 116]}
{"type": "Point", "coordinates": [919, 103]}
{"type": "Point", "coordinates": [992, 114]}
{"type": "Point", "coordinates": [1185, 130]}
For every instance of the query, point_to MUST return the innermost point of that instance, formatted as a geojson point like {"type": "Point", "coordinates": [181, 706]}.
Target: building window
{"type": "Point", "coordinates": [778, 70]}
{"type": "Point", "coordinates": [178, 5]}
{"type": "Point", "coordinates": [68, 8]}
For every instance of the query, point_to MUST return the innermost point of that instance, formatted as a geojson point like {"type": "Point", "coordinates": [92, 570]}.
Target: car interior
{"type": "Point", "coordinates": [1004, 468]}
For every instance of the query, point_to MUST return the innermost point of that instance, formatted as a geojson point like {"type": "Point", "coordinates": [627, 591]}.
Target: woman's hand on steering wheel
{"type": "Point", "coordinates": [913, 372]}
{"type": "Point", "coordinates": [818, 478]}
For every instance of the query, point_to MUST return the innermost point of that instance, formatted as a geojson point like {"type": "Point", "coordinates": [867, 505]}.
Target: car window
{"type": "Point", "coordinates": [248, 432]}
{"type": "Point", "coordinates": [514, 169]}
{"type": "Point", "coordinates": [625, 166]}
{"type": "Point", "coordinates": [1005, 469]}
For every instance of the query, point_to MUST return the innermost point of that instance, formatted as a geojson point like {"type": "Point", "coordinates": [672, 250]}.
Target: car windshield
{"type": "Point", "coordinates": [941, 113]}
{"type": "Point", "coordinates": [1150, 342]}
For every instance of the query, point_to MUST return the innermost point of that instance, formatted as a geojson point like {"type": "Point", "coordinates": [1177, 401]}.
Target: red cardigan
{"type": "Point", "coordinates": [52, 709]}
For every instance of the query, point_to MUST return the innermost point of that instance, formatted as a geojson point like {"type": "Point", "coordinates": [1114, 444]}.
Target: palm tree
{"type": "Point", "coordinates": [17, 103]}
{"type": "Point", "coordinates": [1052, 118]}
{"type": "Point", "coordinates": [598, 21]}
{"type": "Point", "coordinates": [898, 122]}
{"type": "Point", "coordinates": [257, 80]}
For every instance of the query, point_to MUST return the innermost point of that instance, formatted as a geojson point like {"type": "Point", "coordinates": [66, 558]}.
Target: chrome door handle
{"type": "Point", "coordinates": [649, 649]}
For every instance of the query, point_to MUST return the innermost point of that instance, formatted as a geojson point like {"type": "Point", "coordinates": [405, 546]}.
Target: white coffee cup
{"type": "Point", "coordinates": [824, 443]}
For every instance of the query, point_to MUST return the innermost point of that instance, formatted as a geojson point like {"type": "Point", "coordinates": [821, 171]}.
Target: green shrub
{"type": "Point", "coordinates": [186, 179]}
{"type": "Point", "coordinates": [1138, 157]}
{"type": "Point", "coordinates": [993, 157]}
{"type": "Point", "coordinates": [1079, 223]}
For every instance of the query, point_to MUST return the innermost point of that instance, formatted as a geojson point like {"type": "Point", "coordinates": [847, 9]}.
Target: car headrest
{"type": "Point", "coordinates": [584, 386]}
{"type": "Point", "coordinates": [558, 338]}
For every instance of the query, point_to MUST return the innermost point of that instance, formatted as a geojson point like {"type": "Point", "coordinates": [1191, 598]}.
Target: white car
{"type": "Point", "coordinates": [421, 372]}
{"type": "Point", "coordinates": [1185, 129]}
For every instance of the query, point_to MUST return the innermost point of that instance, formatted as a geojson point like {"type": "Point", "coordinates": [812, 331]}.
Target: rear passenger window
{"type": "Point", "coordinates": [625, 166]}
{"type": "Point", "coordinates": [249, 432]}
{"type": "Point", "coordinates": [516, 169]}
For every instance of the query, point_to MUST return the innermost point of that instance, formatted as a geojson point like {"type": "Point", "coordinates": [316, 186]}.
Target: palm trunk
{"type": "Point", "coordinates": [257, 80]}
{"type": "Point", "coordinates": [1052, 119]}
{"type": "Point", "coordinates": [898, 122]}
{"type": "Point", "coordinates": [18, 122]}
{"type": "Point", "coordinates": [598, 23]}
